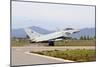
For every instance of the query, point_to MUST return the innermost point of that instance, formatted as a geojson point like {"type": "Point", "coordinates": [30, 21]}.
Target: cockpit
{"type": "Point", "coordinates": [68, 29]}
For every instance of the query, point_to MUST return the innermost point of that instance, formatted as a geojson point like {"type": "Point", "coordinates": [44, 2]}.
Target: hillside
{"type": "Point", "coordinates": [20, 33]}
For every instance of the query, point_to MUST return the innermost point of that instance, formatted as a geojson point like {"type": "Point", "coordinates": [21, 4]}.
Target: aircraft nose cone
{"type": "Point", "coordinates": [76, 31]}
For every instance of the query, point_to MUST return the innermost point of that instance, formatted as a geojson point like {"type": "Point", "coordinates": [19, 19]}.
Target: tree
{"type": "Point", "coordinates": [81, 38]}
{"type": "Point", "coordinates": [87, 38]}
{"type": "Point", "coordinates": [94, 37]}
{"type": "Point", "coordinates": [84, 38]}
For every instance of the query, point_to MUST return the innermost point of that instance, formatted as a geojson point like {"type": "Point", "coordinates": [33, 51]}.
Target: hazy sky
{"type": "Point", "coordinates": [52, 16]}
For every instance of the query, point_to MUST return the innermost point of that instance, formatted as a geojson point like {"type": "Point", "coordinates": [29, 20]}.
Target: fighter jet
{"type": "Point", "coordinates": [51, 37]}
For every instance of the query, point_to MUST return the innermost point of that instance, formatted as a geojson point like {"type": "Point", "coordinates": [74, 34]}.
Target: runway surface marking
{"type": "Point", "coordinates": [21, 55]}
{"type": "Point", "coordinates": [48, 57]}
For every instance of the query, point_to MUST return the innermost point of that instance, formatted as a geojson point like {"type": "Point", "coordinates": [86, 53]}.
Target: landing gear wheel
{"type": "Point", "coordinates": [51, 43]}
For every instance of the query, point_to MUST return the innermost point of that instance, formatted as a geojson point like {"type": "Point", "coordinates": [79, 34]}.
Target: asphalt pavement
{"type": "Point", "coordinates": [22, 55]}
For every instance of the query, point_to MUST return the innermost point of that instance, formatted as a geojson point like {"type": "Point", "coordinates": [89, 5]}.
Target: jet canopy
{"type": "Point", "coordinates": [68, 29]}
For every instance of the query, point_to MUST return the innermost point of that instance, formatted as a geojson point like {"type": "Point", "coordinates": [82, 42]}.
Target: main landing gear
{"type": "Point", "coordinates": [51, 43]}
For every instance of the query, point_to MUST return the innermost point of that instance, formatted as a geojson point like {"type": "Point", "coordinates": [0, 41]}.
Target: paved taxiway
{"type": "Point", "coordinates": [21, 55]}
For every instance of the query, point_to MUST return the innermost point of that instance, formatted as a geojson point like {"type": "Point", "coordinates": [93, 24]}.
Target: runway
{"type": "Point", "coordinates": [21, 55]}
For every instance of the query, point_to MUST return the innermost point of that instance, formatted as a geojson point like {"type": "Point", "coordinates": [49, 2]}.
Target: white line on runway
{"type": "Point", "coordinates": [48, 57]}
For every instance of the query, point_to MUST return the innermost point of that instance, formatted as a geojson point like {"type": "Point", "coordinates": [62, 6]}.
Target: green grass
{"type": "Point", "coordinates": [24, 42]}
{"type": "Point", "coordinates": [76, 43]}
{"type": "Point", "coordinates": [79, 55]}
{"type": "Point", "coordinates": [19, 42]}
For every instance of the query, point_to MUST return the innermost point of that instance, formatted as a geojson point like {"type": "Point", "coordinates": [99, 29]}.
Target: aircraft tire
{"type": "Point", "coordinates": [51, 43]}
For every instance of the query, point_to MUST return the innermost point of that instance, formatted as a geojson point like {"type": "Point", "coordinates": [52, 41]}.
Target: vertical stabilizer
{"type": "Point", "coordinates": [32, 34]}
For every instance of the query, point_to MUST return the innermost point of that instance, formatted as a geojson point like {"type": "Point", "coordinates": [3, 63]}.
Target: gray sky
{"type": "Point", "coordinates": [52, 16]}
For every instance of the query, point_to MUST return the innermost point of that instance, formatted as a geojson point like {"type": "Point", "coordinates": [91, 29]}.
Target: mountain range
{"type": "Point", "coordinates": [20, 33]}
